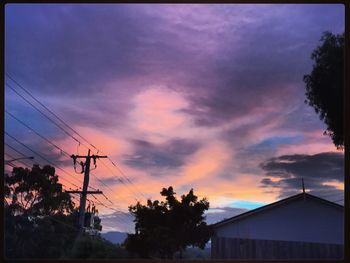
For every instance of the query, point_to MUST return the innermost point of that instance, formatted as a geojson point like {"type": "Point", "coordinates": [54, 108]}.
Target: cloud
{"type": "Point", "coordinates": [207, 52]}
{"type": "Point", "coordinates": [204, 93]}
{"type": "Point", "coordinates": [285, 172]}
{"type": "Point", "coordinates": [171, 154]}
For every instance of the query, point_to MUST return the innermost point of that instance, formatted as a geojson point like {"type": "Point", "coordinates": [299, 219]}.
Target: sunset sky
{"type": "Point", "coordinates": [209, 97]}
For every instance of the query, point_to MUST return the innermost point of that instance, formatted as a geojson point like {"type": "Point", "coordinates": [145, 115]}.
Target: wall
{"type": "Point", "coordinates": [300, 220]}
{"type": "Point", "coordinates": [231, 248]}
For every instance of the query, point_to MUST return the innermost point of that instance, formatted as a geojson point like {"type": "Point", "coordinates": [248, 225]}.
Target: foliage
{"type": "Point", "coordinates": [325, 85]}
{"type": "Point", "coordinates": [36, 192]}
{"type": "Point", "coordinates": [88, 247]}
{"type": "Point", "coordinates": [40, 219]}
{"type": "Point", "coordinates": [163, 228]}
{"type": "Point", "coordinates": [46, 237]}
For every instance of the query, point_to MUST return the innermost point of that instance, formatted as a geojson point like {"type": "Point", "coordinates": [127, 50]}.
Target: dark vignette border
{"type": "Point", "coordinates": [346, 98]}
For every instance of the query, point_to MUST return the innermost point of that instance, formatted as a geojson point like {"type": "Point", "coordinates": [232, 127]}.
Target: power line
{"type": "Point", "coordinates": [41, 136]}
{"type": "Point", "coordinates": [110, 189]}
{"type": "Point", "coordinates": [56, 147]}
{"type": "Point", "coordinates": [36, 153]}
{"type": "Point", "coordinates": [48, 116]}
{"type": "Point", "coordinates": [42, 113]}
{"type": "Point", "coordinates": [47, 140]}
{"type": "Point", "coordinates": [28, 166]}
{"type": "Point", "coordinates": [113, 209]}
{"type": "Point", "coordinates": [62, 178]}
{"type": "Point", "coordinates": [50, 142]}
{"type": "Point", "coordinates": [22, 154]}
{"type": "Point", "coordinates": [19, 85]}
{"type": "Point", "coordinates": [67, 125]}
{"type": "Point", "coordinates": [54, 165]}
{"type": "Point", "coordinates": [119, 179]}
{"type": "Point", "coordinates": [124, 176]}
{"type": "Point", "coordinates": [19, 161]}
{"type": "Point", "coordinates": [59, 126]}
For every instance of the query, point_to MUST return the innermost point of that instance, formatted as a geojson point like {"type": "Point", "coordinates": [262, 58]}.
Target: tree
{"type": "Point", "coordinates": [36, 192]}
{"type": "Point", "coordinates": [325, 85]}
{"type": "Point", "coordinates": [40, 218]}
{"type": "Point", "coordinates": [163, 228]}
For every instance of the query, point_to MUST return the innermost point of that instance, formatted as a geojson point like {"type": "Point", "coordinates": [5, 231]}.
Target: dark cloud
{"type": "Point", "coordinates": [328, 165]}
{"type": "Point", "coordinates": [171, 154]}
{"type": "Point", "coordinates": [315, 169]}
{"type": "Point", "coordinates": [75, 48]}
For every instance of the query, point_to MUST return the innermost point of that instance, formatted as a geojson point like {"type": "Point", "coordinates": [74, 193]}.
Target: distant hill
{"type": "Point", "coordinates": [115, 236]}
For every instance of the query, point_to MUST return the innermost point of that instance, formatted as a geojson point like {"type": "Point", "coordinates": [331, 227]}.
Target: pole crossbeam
{"type": "Point", "coordinates": [81, 192]}
{"type": "Point", "coordinates": [88, 156]}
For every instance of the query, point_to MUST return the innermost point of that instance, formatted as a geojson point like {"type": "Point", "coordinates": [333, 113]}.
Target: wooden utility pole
{"type": "Point", "coordinates": [85, 192]}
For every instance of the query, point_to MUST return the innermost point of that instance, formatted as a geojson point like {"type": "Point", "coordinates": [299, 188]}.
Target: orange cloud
{"type": "Point", "coordinates": [157, 111]}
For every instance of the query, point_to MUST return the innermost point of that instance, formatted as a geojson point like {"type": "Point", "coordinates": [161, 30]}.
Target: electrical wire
{"type": "Point", "coordinates": [19, 85]}
{"type": "Point", "coordinates": [41, 112]}
{"type": "Point", "coordinates": [68, 126]}
{"type": "Point", "coordinates": [59, 126]}
{"type": "Point", "coordinates": [41, 136]}
{"type": "Point", "coordinates": [42, 157]}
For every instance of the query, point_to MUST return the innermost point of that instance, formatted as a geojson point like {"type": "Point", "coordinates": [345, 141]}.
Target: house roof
{"type": "Point", "coordinates": [278, 203]}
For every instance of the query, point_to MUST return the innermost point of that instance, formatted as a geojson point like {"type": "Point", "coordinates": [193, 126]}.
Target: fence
{"type": "Point", "coordinates": [235, 248]}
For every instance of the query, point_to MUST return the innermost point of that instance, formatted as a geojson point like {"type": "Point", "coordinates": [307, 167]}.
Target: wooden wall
{"type": "Point", "coordinates": [235, 248]}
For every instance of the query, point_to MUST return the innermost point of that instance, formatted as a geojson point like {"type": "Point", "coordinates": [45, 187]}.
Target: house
{"type": "Point", "coordinates": [298, 227]}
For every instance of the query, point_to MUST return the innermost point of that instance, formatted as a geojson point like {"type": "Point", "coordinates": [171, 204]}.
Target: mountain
{"type": "Point", "coordinates": [114, 236]}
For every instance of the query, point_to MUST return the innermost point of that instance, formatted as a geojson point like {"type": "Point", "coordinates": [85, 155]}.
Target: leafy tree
{"type": "Point", "coordinates": [163, 228]}
{"type": "Point", "coordinates": [325, 85]}
{"type": "Point", "coordinates": [36, 192]}
{"type": "Point", "coordinates": [40, 219]}
{"type": "Point", "coordinates": [39, 216]}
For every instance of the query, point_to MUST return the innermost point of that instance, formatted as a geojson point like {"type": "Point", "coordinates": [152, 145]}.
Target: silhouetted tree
{"type": "Point", "coordinates": [40, 218]}
{"type": "Point", "coordinates": [163, 228]}
{"type": "Point", "coordinates": [36, 192]}
{"type": "Point", "coordinates": [325, 85]}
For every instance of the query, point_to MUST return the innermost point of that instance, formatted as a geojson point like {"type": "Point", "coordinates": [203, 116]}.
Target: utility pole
{"type": "Point", "coordinates": [83, 194]}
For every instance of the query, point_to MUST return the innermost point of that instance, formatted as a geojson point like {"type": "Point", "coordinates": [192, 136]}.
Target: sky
{"type": "Point", "coordinates": [202, 96]}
